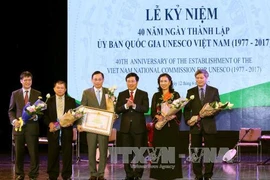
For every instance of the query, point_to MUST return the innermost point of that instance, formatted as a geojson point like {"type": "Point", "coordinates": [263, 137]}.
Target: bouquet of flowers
{"type": "Point", "coordinates": [110, 99]}
{"type": "Point", "coordinates": [71, 116]}
{"type": "Point", "coordinates": [31, 110]}
{"type": "Point", "coordinates": [209, 109]}
{"type": "Point", "coordinates": [168, 109]}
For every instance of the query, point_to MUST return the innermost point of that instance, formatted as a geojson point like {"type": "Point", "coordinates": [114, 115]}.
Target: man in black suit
{"type": "Point", "coordinates": [205, 128]}
{"type": "Point", "coordinates": [95, 97]}
{"type": "Point", "coordinates": [57, 105]}
{"type": "Point", "coordinates": [29, 132]}
{"type": "Point", "coordinates": [132, 104]}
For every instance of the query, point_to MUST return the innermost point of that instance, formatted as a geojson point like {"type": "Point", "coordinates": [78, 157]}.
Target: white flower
{"type": "Point", "coordinates": [191, 97]}
{"type": "Point", "coordinates": [47, 97]}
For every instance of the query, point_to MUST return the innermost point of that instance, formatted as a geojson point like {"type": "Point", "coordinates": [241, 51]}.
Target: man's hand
{"type": "Point", "coordinates": [79, 128]}
{"type": "Point", "coordinates": [193, 120]}
{"type": "Point", "coordinates": [17, 123]}
{"type": "Point", "coordinates": [129, 103]}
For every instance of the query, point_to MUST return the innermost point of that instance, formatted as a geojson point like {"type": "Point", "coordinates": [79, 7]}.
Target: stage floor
{"type": "Point", "coordinates": [246, 169]}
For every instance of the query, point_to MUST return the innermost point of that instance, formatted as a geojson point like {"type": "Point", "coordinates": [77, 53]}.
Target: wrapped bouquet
{"type": "Point", "coordinates": [209, 109]}
{"type": "Point", "coordinates": [71, 116]}
{"type": "Point", "coordinates": [168, 109]}
{"type": "Point", "coordinates": [110, 99]}
{"type": "Point", "coordinates": [31, 110]}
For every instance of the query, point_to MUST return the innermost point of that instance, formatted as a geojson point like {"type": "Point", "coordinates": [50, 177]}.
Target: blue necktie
{"type": "Point", "coordinates": [202, 95]}
{"type": "Point", "coordinates": [98, 96]}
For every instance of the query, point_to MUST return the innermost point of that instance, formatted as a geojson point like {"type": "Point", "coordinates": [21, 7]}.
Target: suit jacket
{"type": "Point", "coordinates": [194, 106]}
{"type": "Point", "coordinates": [89, 98]}
{"type": "Point", "coordinates": [50, 114]}
{"type": "Point", "coordinates": [135, 115]}
{"type": "Point", "coordinates": [16, 108]}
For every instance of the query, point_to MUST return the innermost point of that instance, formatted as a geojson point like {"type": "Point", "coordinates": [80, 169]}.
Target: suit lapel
{"type": "Point", "coordinates": [93, 96]}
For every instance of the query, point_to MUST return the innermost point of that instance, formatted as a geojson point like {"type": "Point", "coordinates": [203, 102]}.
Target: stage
{"type": "Point", "coordinates": [248, 168]}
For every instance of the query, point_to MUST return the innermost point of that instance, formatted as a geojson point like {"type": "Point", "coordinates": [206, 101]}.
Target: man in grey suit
{"type": "Point", "coordinates": [205, 129]}
{"type": "Point", "coordinates": [29, 132]}
{"type": "Point", "coordinates": [95, 97]}
{"type": "Point", "coordinates": [132, 104]}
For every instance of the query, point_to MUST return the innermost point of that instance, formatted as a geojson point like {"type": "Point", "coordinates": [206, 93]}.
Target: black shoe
{"type": "Point", "coordinates": [20, 177]}
{"type": "Point", "coordinates": [137, 178]}
{"type": "Point", "coordinates": [206, 178]}
{"type": "Point", "coordinates": [93, 178]}
{"type": "Point", "coordinates": [129, 178]}
{"type": "Point", "coordinates": [101, 178]}
{"type": "Point", "coordinates": [52, 178]}
{"type": "Point", "coordinates": [66, 178]}
{"type": "Point", "coordinates": [197, 178]}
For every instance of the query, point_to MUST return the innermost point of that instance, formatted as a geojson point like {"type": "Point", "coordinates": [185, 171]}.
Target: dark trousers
{"type": "Point", "coordinates": [54, 149]}
{"type": "Point", "coordinates": [132, 139]}
{"type": "Point", "coordinates": [32, 146]}
{"type": "Point", "coordinates": [197, 161]}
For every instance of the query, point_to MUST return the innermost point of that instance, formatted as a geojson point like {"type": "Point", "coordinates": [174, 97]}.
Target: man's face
{"type": "Point", "coordinates": [59, 89]}
{"type": "Point", "coordinates": [26, 82]}
{"type": "Point", "coordinates": [97, 81]}
{"type": "Point", "coordinates": [201, 80]}
{"type": "Point", "coordinates": [132, 83]}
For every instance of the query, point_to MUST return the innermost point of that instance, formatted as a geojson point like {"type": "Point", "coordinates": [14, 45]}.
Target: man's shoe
{"type": "Point", "coordinates": [101, 178]}
{"type": "Point", "coordinates": [66, 178]}
{"type": "Point", "coordinates": [197, 178]}
{"type": "Point", "coordinates": [206, 178]}
{"type": "Point", "coordinates": [20, 177]}
{"type": "Point", "coordinates": [129, 178]}
{"type": "Point", "coordinates": [93, 178]}
{"type": "Point", "coordinates": [137, 178]}
{"type": "Point", "coordinates": [52, 178]}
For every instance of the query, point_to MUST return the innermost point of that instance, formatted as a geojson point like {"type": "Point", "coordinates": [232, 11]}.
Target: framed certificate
{"type": "Point", "coordinates": [98, 121]}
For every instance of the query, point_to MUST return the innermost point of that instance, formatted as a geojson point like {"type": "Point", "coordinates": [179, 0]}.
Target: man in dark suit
{"type": "Point", "coordinates": [204, 130]}
{"type": "Point", "coordinates": [95, 97]}
{"type": "Point", "coordinates": [57, 105]}
{"type": "Point", "coordinates": [132, 104]}
{"type": "Point", "coordinates": [29, 132]}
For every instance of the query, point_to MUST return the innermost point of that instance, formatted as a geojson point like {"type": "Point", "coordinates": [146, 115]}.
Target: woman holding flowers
{"type": "Point", "coordinates": [168, 135]}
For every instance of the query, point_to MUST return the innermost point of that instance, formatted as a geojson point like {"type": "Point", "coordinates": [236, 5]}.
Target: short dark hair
{"type": "Point", "coordinates": [170, 79]}
{"type": "Point", "coordinates": [60, 82]}
{"type": "Point", "coordinates": [132, 75]}
{"type": "Point", "coordinates": [202, 71]}
{"type": "Point", "coordinates": [26, 74]}
{"type": "Point", "coordinates": [98, 72]}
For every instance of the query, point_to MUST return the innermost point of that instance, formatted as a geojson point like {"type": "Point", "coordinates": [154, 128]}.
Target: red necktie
{"type": "Point", "coordinates": [131, 95]}
{"type": "Point", "coordinates": [26, 97]}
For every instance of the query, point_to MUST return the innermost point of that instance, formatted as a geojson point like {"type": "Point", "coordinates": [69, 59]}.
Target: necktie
{"type": "Point", "coordinates": [26, 97]}
{"type": "Point", "coordinates": [98, 96]}
{"type": "Point", "coordinates": [60, 107]}
{"type": "Point", "coordinates": [202, 95]}
{"type": "Point", "coordinates": [131, 95]}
